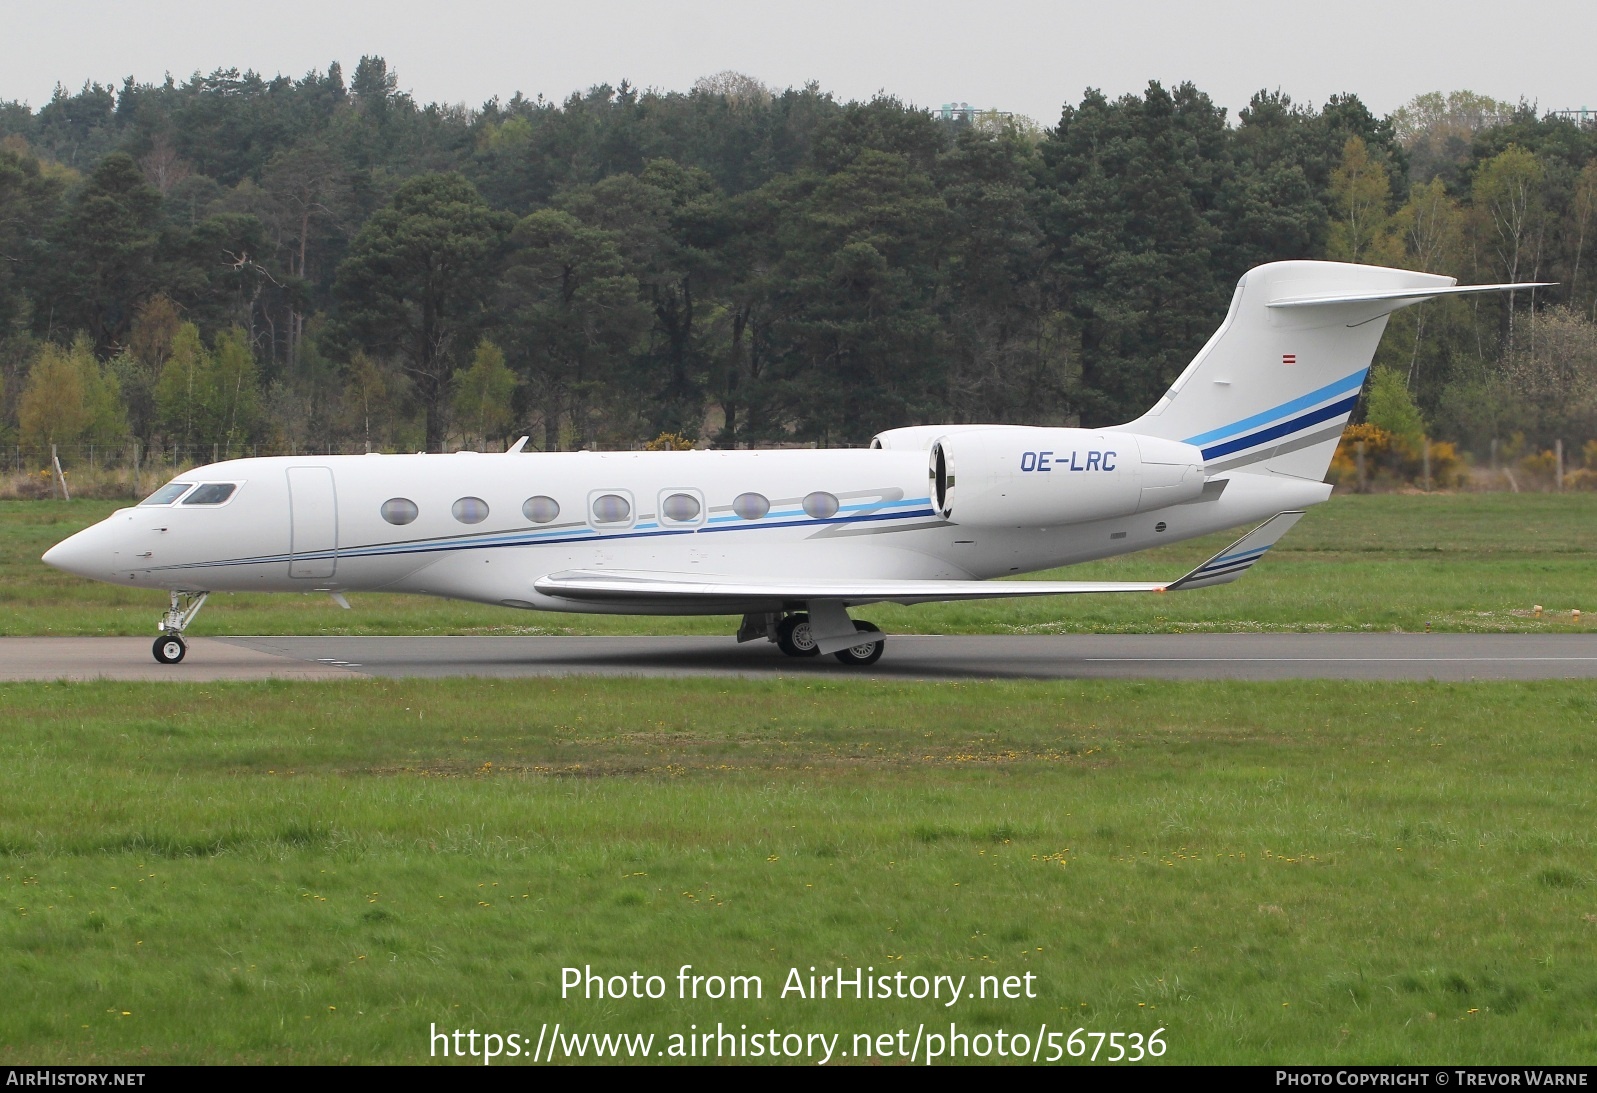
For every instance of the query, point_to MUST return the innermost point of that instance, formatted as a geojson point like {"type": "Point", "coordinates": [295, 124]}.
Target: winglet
{"type": "Point", "coordinates": [1235, 559]}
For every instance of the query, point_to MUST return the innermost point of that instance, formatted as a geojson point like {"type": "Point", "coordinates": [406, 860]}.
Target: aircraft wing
{"type": "Point", "coordinates": [709, 593]}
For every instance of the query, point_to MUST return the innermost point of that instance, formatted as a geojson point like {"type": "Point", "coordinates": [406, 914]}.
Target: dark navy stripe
{"type": "Point", "coordinates": [569, 533]}
{"type": "Point", "coordinates": [388, 550]}
{"type": "Point", "coordinates": [831, 520]}
{"type": "Point", "coordinates": [1220, 571]}
{"type": "Point", "coordinates": [1228, 564]}
{"type": "Point", "coordinates": [1286, 428]}
{"type": "Point", "coordinates": [1286, 409]}
{"type": "Point", "coordinates": [1231, 562]}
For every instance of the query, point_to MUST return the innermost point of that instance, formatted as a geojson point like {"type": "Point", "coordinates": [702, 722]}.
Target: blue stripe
{"type": "Point", "coordinates": [1206, 574]}
{"type": "Point", "coordinates": [392, 549]}
{"type": "Point", "coordinates": [1341, 386]}
{"type": "Point", "coordinates": [834, 520]}
{"type": "Point", "coordinates": [578, 534]}
{"type": "Point", "coordinates": [865, 506]}
{"type": "Point", "coordinates": [1235, 567]}
{"type": "Point", "coordinates": [1239, 555]}
{"type": "Point", "coordinates": [1216, 567]}
{"type": "Point", "coordinates": [1286, 428]}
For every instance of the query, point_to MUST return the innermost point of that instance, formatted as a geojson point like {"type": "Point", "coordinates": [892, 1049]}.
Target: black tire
{"type": "Point", "coordinates": [169, 648]}
{"type": "Point", "coordinates": [865, 653]}
{"type": "Point", "coordinates": [793, 637]}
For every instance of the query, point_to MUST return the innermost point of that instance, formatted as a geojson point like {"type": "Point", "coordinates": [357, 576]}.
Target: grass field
{"type": "Point", "coordinates": [1385, 562]}
{"type": "Point", "coordinates": [1307, 872]}
{"type": "Point", "coordinates": [1271, 873]}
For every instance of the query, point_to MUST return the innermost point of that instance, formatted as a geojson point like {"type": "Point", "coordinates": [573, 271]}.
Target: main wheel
{"type": "Point", "coordinates": [794, 638]}
{"type": "Point", "coordinates": [866, 652]}
{"type": "Point", "coordinates": [169, 649]}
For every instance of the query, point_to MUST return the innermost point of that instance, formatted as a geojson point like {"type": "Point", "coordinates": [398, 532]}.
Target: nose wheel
{"type": "Point", "coordinates": [169, 649]}
{"type": "Point", "coordinates": [170, 646]}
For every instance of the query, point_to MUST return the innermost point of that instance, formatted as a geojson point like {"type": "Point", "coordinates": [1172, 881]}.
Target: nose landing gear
{"type": "Point", "coordinates": [170, 647]}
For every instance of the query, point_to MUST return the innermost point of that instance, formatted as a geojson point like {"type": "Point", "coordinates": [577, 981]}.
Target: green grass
{"type": "Point", "coordinates": [1391, 562]}
{"type": "Point", "coordinates": [1295, 872]}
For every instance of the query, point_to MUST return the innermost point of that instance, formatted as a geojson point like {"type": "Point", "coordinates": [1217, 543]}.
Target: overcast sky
{"type": "Point", "coordinates": [1025, 56]}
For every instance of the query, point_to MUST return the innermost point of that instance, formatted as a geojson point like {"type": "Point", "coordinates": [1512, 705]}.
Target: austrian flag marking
{"type": "Point", "coordinates": [1289, 358]}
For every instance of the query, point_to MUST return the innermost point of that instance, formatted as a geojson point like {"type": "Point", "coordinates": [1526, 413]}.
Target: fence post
{"type": "Point", "coordinates": [60, 476]}
{"type": "Point", "coordinates": [1558, 464]}
{"type": "Point", "coordinates": [1426, 442]}
{"type": "Point", "coordinates": [1358, 449]}
{"type": "Point", "coordinates": [135, 468]}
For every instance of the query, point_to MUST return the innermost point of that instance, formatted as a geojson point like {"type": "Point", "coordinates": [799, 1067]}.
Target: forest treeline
{"type": "Point", "coordinates": [239, 263]}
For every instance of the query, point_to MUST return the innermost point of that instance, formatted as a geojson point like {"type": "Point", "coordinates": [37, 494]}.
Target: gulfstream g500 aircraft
{"type": "Point", "coordinates": [792, 539]}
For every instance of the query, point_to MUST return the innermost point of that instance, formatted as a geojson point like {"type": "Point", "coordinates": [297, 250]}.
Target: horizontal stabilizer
{"type": "Point", "coordinates": [645, 590]}
{"type": "Point", "coordinates": [1410, 295]}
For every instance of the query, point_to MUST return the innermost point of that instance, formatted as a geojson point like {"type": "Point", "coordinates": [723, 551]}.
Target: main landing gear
{"type": "Point", "coordinates": [866, 652]}
{"type": "Point", "coordinates": [795, 638]}
{"type": "Point", "coordinates": [797, 635]}
{"type": "Point", "coordinates": [170, 647]}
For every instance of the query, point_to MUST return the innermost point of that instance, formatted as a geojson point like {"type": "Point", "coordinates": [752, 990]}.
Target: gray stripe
{"type": "Point", "coordinates": [837, 531]}
{"type": "Point", "coordinates": [871, 521]}
{"type": "Point", "coordinates": [1332, 433]}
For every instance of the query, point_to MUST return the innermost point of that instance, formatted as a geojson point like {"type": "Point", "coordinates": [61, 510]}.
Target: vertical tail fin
{"type": "Point", "coordinates": [1274, 387]}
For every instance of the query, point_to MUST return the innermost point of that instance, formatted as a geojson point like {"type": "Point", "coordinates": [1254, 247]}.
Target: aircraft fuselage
{"type": "Point", "coordinates": [484, 527]}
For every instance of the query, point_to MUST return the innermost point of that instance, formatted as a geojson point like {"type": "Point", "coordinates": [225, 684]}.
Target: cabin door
{"type": "Point", "coordinates": [313, 522]}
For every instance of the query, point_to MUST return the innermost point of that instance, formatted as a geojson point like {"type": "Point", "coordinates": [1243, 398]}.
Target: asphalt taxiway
{"type": "Point", "coordinates": [1367, 656]}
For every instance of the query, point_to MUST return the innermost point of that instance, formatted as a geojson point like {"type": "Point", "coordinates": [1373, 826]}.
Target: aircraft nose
{"type": "Point", "coordinates": [88, 553]}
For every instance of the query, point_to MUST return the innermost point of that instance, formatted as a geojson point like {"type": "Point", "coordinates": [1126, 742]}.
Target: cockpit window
{"type": "Point", "coordinates": [167, 493]}
{"type": "Point", "coordinates": [211, 493]}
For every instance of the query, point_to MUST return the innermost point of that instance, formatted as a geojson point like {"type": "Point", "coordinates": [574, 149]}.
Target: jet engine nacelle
{"type": "Point", "coordinates": [1028, 477]}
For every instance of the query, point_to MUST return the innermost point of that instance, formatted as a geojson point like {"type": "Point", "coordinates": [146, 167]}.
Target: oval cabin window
{"type": "Point", "coordinates": [399, 510]}
{"type": "Point", "coordinates": [610, 508]}
{"type": "Point", "coordinates": [821, 505]}
{"type": "Point", "coordinates": [751, 506]}
{"type": "Point", "coordinates": [470, 510]}
{"type": "Point", "coordinates": [540, 509]}
{"type": "Point", "coordinates": [680, 508]}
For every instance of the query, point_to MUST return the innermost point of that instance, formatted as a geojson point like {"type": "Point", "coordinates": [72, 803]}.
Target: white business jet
{"type": "Point", "coordinates": [792, 539]}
